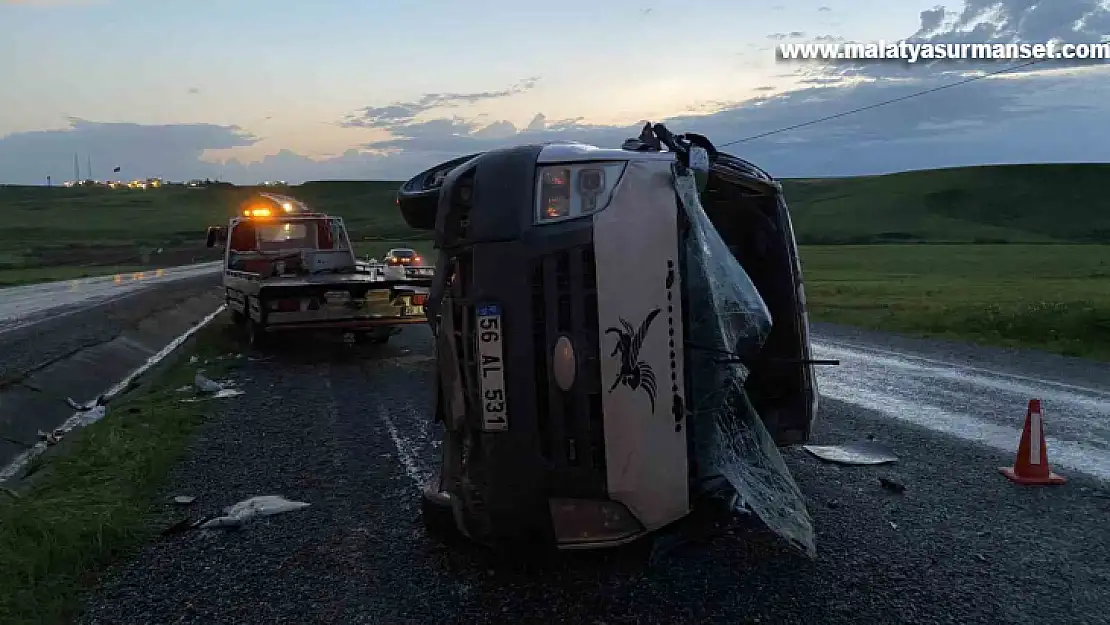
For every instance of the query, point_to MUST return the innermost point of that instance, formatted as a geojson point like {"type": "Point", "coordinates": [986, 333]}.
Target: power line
{"type": "Point", "coordinates": [878, 104]}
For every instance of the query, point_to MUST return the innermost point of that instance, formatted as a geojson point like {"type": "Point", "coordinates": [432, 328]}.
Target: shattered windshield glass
{"type": "Point", "coordinates": [729, 323]}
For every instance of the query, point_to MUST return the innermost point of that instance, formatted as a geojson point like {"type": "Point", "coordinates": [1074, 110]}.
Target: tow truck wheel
{"type": "Point", "coordinates": [256, 335]}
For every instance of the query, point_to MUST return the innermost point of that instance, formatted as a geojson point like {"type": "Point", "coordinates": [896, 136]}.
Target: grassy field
{"type": "Point", "coordinates": [1018, 276]}
{"type": "Point", "coordinates": [1053, 297]}
{"type": "Point", "coordinates": [92, 503]}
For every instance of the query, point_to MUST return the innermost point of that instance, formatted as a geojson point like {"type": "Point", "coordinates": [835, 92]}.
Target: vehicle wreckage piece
{"type": "Point", "coordinates": [606, 358]}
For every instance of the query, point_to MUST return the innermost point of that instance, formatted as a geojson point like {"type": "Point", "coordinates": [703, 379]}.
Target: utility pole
{"type": "Point", "coordinates": [76, 169]}
{"type": "Point", "coordinates": [88, 168]}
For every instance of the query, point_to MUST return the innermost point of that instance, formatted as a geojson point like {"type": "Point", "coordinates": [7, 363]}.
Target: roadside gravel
{"type": "Point", "coordinates": [350, 436]}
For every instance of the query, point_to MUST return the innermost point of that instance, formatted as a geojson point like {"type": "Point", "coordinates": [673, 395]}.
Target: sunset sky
{"type": "Point", "coordinates": [247, 90]}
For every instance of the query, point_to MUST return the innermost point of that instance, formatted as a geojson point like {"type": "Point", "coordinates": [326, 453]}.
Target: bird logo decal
{"type": "Point", "coordinates": [634, 373]}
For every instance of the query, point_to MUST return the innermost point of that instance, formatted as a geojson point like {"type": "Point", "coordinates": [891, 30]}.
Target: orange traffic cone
{"type": "Point", "coordinates": [1031, 465]}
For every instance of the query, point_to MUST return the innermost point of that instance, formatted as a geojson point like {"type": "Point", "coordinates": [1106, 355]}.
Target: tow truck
{"type": "Point", "coordinates": [290, 268]}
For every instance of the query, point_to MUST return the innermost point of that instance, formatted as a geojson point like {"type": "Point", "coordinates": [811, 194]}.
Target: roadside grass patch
{"type": "Point", "coordinates": [90, 500]}
{"type": "Point", "coordinates": [1050, 297]}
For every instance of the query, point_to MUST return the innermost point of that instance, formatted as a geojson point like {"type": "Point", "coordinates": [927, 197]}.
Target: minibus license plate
{"type": "Point", "coordinates": [491, 368]}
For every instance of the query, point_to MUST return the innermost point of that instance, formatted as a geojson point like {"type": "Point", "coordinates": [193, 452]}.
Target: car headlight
{"type": "Point", "coordinates": [569, 191]}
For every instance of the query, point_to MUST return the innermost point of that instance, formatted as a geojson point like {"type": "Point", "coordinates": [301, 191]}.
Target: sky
{"type": "Point", "coordinates": [247, 90]}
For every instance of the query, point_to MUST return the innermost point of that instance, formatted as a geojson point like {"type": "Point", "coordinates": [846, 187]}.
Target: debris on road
{"type": "Point", "coordinates": [89, 405]}
{"type": "Point", "coordinates": [238, 515]}
{"type": "Point", "coordinates": [51, 438]}
{"type": "Point", "coordinates": [249, 509]}
{"type": "Point", "coordinates": [211, 389]}
{"type": "Point", "coordinates": [205, 385]}
{"type": "Point", "coordinates": [90, 416]}
{"type": "Point", "coordinates": [184, 500]}
{"type": "Point", "coordinates": [84, 416]}
{"type": "Point", "coordinates": [862, 453]}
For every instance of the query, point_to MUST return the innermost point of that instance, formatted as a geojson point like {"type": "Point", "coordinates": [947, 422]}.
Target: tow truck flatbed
{"type": "Point", "coordinates": [371, 282]}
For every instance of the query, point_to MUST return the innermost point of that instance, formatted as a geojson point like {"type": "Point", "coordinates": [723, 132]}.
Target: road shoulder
{"type": "Point", "coordinates": [87, 500]}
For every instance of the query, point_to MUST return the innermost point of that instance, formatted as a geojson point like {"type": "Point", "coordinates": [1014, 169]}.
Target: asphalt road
{"type": "Point", "coordinates": [23, 306]}
{"type": "Point", "coordinates": [973, 393]}
{"type": "Point", "coordinates": [351, 437]}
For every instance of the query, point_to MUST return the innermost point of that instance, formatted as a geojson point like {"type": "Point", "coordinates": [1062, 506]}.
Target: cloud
{"type": "Point", "coordinates": [140, 150]}
{"type": "Point", "coordinates": [1013, 21]}
{"type": "Point", "coordinates": [980, 21]}
{"type": "Point", "coordinates": [404, 113]}
{"type": "Point", "coordinates": [794, 34]}
{"type": "Point", "coordinates": [193, 91]}
{"type": "Point", "coordinates": [1032, 20]}
{"type": "Point", "coordinates": [823, 9]}
{"type": "Point", "coordinates": [1053, 114]}
{"type": "Point", "coordinates": [931, 20]}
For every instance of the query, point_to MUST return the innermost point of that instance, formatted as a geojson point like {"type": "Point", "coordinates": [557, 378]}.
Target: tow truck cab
{"type": "Point", "coordinates": [279, 235]}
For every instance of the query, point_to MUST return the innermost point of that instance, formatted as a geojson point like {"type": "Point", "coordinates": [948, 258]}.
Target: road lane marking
{"type": "Point", "coordinates": [406, 451]}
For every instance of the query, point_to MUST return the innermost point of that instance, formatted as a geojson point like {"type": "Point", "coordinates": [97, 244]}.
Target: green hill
{"type": "Point", "coordinates": [990, 204]}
